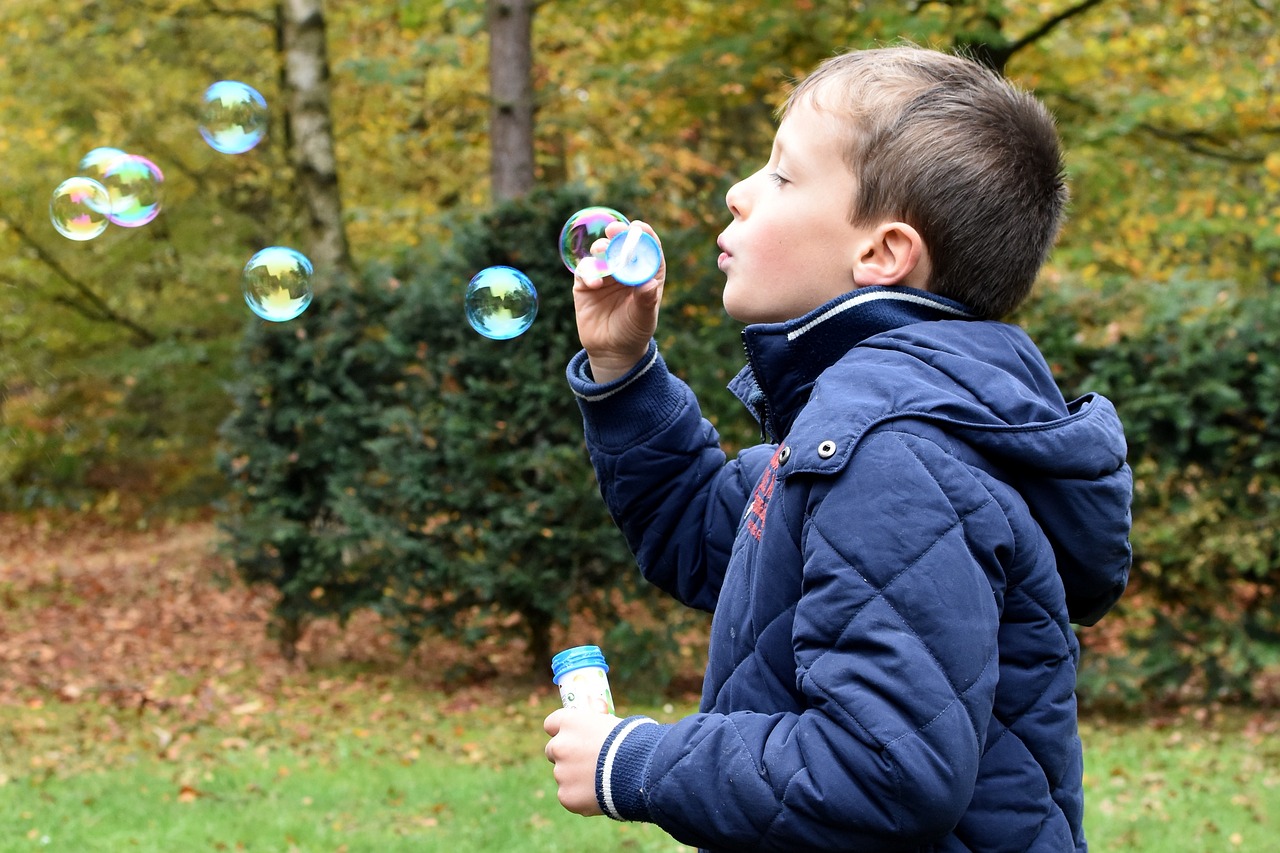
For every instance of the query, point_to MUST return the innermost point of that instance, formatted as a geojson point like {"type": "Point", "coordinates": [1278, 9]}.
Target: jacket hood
{"type": "Point", "coordinates": [985, 384]}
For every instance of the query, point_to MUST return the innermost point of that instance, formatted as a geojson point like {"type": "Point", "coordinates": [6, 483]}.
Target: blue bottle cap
{"type": "Point", "coordinates": [576, 658]}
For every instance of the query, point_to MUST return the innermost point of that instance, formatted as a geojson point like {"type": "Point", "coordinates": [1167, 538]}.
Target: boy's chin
{"type": "Point", "coordinates": [738, 307]}
{"type": "Point", "coordinates": [748, 314]}
{"type": "Point", "coordinates": [736, 311]}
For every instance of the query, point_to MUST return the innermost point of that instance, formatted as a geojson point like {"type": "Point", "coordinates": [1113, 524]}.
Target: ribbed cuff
{"type": "Point", "coordinates": [613, 418]}
{"type": "Point", "coordinates": [623, 767]}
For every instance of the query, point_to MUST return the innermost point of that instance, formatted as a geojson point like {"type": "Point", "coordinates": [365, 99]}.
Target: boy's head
{"type": "Point", "coordinates": [897, 166]}
{"type": "Point", "coordinates": [950, 147]}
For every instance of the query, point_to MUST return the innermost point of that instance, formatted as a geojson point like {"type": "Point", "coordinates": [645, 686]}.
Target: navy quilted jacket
{"type": "Point", "coordinates": [891, 665]}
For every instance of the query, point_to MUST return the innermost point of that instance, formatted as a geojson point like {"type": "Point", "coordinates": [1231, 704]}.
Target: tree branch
{"type": "Point", "coordinates": [207, 8]}
{"type": "Point", "coordinates": [1051, 24]}
{"type": "Point", "coordinates": [996, 52]}
{"type": "Point", "coordinates": [89, 302]}
{"type": "Point", "coordinates": [1194, 140]}
{"type": "Point", "coordinates": [1203, 143]}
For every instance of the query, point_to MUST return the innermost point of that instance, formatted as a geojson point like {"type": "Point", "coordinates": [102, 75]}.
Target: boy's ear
{"type": "Point", "coordinates": [892, 253]}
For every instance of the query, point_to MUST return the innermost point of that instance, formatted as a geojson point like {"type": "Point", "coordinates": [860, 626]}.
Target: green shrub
{"type": "Point", "coordinates": [384, 455]}
{"type": "Point", "coordinates": [307, 403]}
{"type": "Point", "coordinates": [1192, 369]}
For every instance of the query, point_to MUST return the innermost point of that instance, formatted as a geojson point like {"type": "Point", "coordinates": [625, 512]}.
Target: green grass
{"type": "Point", "coordinates": [375, 764]}
{"type": "Point", "coordinates": [389, 772]}
{"type": "Point", "coordinates": [1183, 786]}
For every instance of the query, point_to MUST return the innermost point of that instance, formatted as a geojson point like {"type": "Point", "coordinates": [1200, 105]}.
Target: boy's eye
{"type": "Point", "coordinates": [777, 179]}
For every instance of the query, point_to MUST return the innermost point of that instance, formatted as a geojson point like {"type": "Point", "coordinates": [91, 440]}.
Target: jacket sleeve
{"type": "Point", "coordinates": [895, 645]}
{"type": "Point", "coordinates": [664, 476]}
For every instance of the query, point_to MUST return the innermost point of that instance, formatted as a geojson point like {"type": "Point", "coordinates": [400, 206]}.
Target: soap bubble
{"type": "Point", "coordinates": [133, 182]}
{"type": "Point", "coordinates": [96, 162]}
{"type": "Point", "coordinates": [233, 117]}
{"type": "Point", "coordinates": [501, 302]}
{"type": "Point", "coordinates": [277, 283]}
{"type": "Point", "coordinates": [580, 234]}
{"type": "Point", "coordinates": [79, 207]}
{"type": "Point", "coordinates": [633, 256]}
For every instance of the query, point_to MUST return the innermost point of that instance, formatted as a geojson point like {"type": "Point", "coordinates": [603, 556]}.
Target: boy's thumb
{"type": "Point", "coordinates": [551, 725]}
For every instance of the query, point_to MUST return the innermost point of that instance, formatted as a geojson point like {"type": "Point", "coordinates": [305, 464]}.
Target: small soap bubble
{"type": "Point", "coordinates": [233, 117]}
{"type": "Point", "coordinates": [79, 208]}
{"type": "Point", "coordinates": [96, 162]}
{"type": "Point", "coordinates": [582, 236]}
{"type": "Point", "coordinates": [133, 182]}
{"type": "Point", "coordinates": [633, 257]}
{"type": "Point", "coordinates": [277, 283]}
{"type": "Point", "coordinates": [501, 302]}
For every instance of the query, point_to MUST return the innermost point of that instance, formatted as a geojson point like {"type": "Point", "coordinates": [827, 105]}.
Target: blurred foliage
{"type": "Point", "coordinates": [115, 355]}
{"type": "Point", "coordinates": [1167, 108]}
{"type": "Point", "coordinates": [1192, 369]}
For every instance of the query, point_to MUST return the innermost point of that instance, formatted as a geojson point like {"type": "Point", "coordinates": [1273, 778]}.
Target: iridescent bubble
{"type": "Point", "coordinates": [633, 257]}
{"type": "Point", "coordinates": [581, 237]}
{"type": "Point", "coordinates": [133, 183]}
{"type": "Point", "coordinates": [96, 162]}
{"type": "Point", "coordinates": [233, 117]}
{"type": "Point", "coordinates": [79, 207]}
{"type": "Point", "coordinates": [501, 302]}
{"type": "Point", "coordinates": [277, 283]}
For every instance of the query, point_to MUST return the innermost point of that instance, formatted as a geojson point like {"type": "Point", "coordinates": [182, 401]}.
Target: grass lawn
{"type": "Point", "coordinates": [1188, 784]}
{"type": "Point", "coordinates": [356, 765]}
{"type": "Point", "coordinates": [368, 763]}
{"type": "Point", "coordinates": [142, 707]}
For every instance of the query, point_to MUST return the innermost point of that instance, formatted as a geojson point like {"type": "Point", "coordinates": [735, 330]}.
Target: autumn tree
{"type": "Point", "coordinates": [511, 97]}
{"type": "Point", "coordinates": [311, 145]}
{"type": "Point", "coordinates": [114, 354]}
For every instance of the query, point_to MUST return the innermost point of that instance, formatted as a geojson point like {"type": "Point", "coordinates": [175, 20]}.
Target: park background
{"type": "Point", "coordinates": [294, 586]}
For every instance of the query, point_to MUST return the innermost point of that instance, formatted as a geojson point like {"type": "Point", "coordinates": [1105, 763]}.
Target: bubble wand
{"type": "Point", "coordinates": [632, 256]}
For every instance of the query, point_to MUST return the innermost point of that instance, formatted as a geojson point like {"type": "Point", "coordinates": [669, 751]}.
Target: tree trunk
{"type": "Point", "coordinates": [289, 633]}
{"type": "Point", "coordinates": [511, 98]}
{"type": "Point", "coordinates": [311, 150]}
{"type": "Point", "coordinates": [539, 626]}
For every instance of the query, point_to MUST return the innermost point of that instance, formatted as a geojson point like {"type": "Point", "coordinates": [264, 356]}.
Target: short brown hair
{"type": "Point", "coordinates": [959, 153]}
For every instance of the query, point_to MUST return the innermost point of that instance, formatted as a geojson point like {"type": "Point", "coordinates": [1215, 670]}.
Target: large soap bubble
{"type": "Point", "coordinates": [277, 283]}
{"type": "Point", "coordinates": [583, 237]}
{"type": "Point", "coordinates": [233, 117]}
{"type": "Point", "coordinates": [501, 302]}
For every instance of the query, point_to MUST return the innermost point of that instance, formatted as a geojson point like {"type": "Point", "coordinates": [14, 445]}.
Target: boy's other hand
{"type": "Point", "coordinates": [615, 322]}
{"type": "Point", "coordinates": [576, 739]}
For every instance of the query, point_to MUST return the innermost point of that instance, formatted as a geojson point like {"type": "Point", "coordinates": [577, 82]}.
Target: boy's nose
{"type": "Point", "coordinates": [735, 198]}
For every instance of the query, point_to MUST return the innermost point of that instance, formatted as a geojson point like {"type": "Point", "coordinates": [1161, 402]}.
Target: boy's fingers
{"type": "Point", "coordinates": [588, 273]}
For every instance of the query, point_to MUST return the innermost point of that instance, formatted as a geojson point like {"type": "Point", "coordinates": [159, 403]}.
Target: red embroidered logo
{"type": "Point", "coordinates": [759, 504]}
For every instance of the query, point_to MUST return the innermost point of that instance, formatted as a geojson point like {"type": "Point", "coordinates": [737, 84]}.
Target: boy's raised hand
{"type": "Point", "coordinates": [615, 322]}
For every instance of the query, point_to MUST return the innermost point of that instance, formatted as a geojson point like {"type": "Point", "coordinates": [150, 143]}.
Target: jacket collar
{"type": "Point", "coordinates": [785, 359]}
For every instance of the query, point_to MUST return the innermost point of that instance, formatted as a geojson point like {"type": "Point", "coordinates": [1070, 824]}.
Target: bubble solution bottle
{"type": "Point", "coordinates": [580, 674]}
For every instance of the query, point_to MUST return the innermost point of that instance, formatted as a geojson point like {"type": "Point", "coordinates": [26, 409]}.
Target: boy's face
{"type": "Point", "coordinates": [790, 247]}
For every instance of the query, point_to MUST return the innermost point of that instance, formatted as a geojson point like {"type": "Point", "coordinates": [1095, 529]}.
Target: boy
{"type": "Point", "coordinates": [893, 577]}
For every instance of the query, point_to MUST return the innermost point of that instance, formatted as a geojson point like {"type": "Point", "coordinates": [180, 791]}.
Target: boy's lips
{"type": "Point", "coordinates": [725, 254]}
